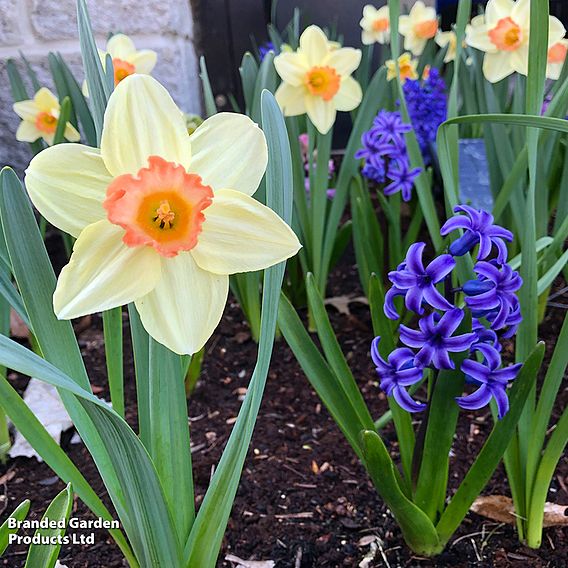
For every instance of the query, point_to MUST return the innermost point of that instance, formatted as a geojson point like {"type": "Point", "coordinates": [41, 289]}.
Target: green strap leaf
{"type": "Point", "coordinates": [170, 445]}
{"type": "Point", "coordinates": [490, 455]}
{"type": "Point", "coordinates": [45, 555]}
{"type": "Point", "coordinates": [210, 106]}
{"type": "Point", "coordinates": [417, 529]}
{"type": "Point", "coordinates": [19, 514]}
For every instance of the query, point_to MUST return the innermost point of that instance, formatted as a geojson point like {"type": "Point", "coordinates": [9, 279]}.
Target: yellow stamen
{"type": "Point", "coordinates": [164, 215]}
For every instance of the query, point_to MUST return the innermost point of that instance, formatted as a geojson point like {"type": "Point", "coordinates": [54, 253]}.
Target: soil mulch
{"type": "Point", "coordinates": [304, 500]}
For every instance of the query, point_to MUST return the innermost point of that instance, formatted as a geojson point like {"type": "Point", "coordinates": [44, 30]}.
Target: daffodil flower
{"type": "Point", "coordinates": [504, 37]}
{"type": "Point", "coordinates": [375, 25]}
{"type": "Point", "coordinates": [418, 27]}
{"type": "Point", "coordinates": [161, 218]}
{"type": "Point", "coordinates": [449, 40]}
{"type": "Point", "coordinates": [39, 119]}
{"type": "Point", "coordinates": [406, 67]}
{"type": "Point", "coordinates": [316, 79]}
{"type": "Point", "coordinates": [556, 57]}
{"type": "Point", "coordinates": [126, 59]}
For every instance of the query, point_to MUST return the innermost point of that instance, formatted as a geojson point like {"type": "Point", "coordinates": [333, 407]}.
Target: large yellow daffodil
{"type": "Point", "coordinates": [162, 218]}
{"type": "Point", "coordinates": [316, 79]}
{"type": "Point", "coordinates": [504, 37]}
{"type": "Point", "coordinates": [39, 119]}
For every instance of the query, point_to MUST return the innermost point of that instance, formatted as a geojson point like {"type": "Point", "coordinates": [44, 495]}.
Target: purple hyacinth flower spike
{"type": "Point", "coordinates": [435, 339]}
{"type": "Point", "coordinates": [491, 377]}
{"type": "Point", "coordinates": [396, 373]}
{"type": "Point", "coordinates": [418, 283]}
{"type": "Point", "coordinates": [478, 229]}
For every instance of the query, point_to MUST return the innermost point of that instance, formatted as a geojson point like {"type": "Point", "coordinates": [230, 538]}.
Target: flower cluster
{"type": "Point", "coordinates": [490, 299]}
{"type": "Point", "coordinates": [428, 107]}
{"type": "Point", "coordinates": [385, 155]}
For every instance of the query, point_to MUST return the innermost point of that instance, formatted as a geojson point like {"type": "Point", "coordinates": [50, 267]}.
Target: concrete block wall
{"type": "Point", "coordinates": [36, 27]}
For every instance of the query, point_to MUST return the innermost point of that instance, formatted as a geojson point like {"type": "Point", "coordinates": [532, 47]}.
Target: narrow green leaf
{"type": "Point", "coordinates": [64, 117]}
{"type": "Point", "coordinates": [417, 529]}
{"type": "Point", "coordinates": [45, 555]}
{"type": "Point", "coordinates": [170, 446]}
{"type": "Point", "coordinates": [99, 91]}
{"type": "Point", "coordinates": [548, 393]}
{"type": "Point", "coordinates": [19, 514]}
{"type": "Point", "coordinates": [112, 329]}
{"type": "Point", "coordinates": [490, 455]}
{"type": "Point", "coordinates": [141, 349]}
{"type": "Point", "coordinates": [210, 106]}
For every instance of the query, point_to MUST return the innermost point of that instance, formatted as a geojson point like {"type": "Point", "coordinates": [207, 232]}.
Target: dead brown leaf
{"type": "Point", "coordinates": [500, 508]}
{"type": "Point", "coordinates": [341, 303]}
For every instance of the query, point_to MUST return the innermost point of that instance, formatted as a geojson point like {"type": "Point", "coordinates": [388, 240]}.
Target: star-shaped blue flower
{"type": "Point", "coordinates": [435, 339]}
{"type": "Point", "coordinates": [398, 372]}
{"type": "Point", "coordinates": [493, 293]}
{"type": "Point", "coordinates": [491, 377]}
{"type": "Point", "coordinates": [418, 283]}
{"type": "Point", "coordinates": [478, 229]}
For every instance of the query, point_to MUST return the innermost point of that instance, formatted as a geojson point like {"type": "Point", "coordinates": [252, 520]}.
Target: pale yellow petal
{"type": "Point", "coordinates": [186, 305]}
{"type": "Point", "coordinates": [344, 60]}
{"type": "Point", "coordinates": [142, 120]}
{"type": "Point", "coordinates": [45, 100]}
{"type": "Point", "coordinates": [229, 150]}
{"type": "Point", "coordinates": [521, 13]}
{"type": "Point", "coordinates": [349, 95]}
{"type": "Point", "coordinates": [367, 38]}
{"type": "Point", "coordinates": [404, 25]}
{"type": "Point", "coordinates": [120, 46]}
{"type": "Point", "coordinates": [497, 66]}
{"type": "Point", "coordinates": [369, 12]}
{"type": "Point", "coordinates": [520, 59]}
{"type": "Point", "coordinates": [104, 273]}
{"type": "Point", "coordinates": [322, 113]}
{"type": "Point", "coordinates": [478, 38]}
{"type": "Point", "coordinates": [314, 45]}
{"type": "Point", "coordinates": [67, 183]}
{"type": "Point", "coordinates": [242, 235]}
{"type": "Point", "coordinates": [291, 99]}
{"type": "Point", "coordinates": [144, 61]}
{"type": "Point", "coordinates": [556, 30]}
{"type": "Point", "coordinates": [28, 132]}
{"type": "Point", "coordinates": [292, 67]}
{"type": "Point", "coordinates": [71, 133]}
{"type": "Point", "coordinates": [26, 109]}
{"type": "Point", "coordinates": [497, 9]}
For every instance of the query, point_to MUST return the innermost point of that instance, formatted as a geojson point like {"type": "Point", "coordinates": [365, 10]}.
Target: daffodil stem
{"type": "Point", "coordinates": [112, 327]}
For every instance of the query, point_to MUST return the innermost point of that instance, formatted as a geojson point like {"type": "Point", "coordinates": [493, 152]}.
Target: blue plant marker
{"type": "Point", "coordinates": [475, 188]}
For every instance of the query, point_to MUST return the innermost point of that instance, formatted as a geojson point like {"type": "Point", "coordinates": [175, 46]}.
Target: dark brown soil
{"type": "Point", "coordinates": [304, 500]}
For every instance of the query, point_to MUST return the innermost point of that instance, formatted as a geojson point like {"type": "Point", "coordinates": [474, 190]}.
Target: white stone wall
{"type": "Point", "coordinates": [36, 27]}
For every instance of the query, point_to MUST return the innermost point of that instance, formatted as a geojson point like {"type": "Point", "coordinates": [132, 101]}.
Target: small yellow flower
{"type": "Point", "coordinates": [126, 59]}
{"type": "Point", "coordinates": [418, 27]}
{"type": "Point", "coordinates": [39, 119]}
{"type": "Point", "coordinates": [406, 65]}
{"type": "Point", "coordinates": [316, 79]}
{"type": "Point", "coordinates": [375, 25]}
{"type": "Point", "coordinates": [503, 34]}
{"type": "Point", "coordinates": [161, 218]}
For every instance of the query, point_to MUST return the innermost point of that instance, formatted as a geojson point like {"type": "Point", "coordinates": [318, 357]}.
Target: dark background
{"type": "Point", "coordinates": [224, 29]}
